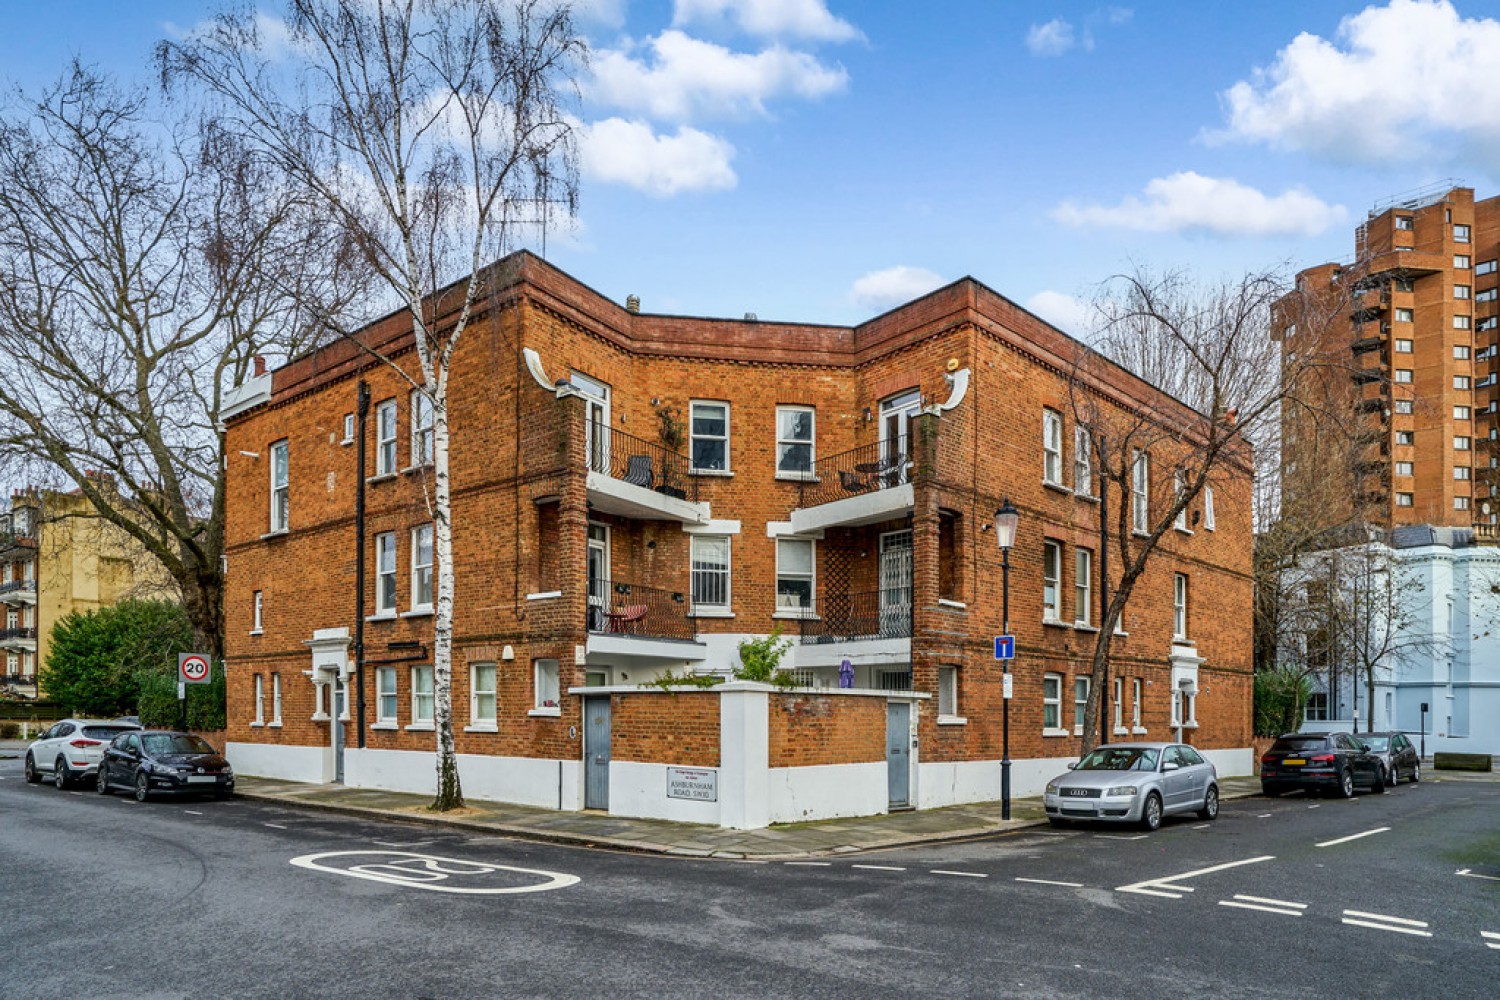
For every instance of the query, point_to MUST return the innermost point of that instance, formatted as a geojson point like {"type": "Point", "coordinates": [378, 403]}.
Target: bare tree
{"type": "Point", "coordinates": [143, 265]}
{"type": "Point", "coordinates": [1209, 347]}
{"type": "Point", "coordinates": [433, 129]}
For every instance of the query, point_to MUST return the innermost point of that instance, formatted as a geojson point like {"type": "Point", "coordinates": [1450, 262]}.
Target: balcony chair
{"type": "Point", "coordinates": [627, 616]}
{"type": "Point", "coordinates": [853, 482]}
{"type": "Point", "coordinates": [638, 471]}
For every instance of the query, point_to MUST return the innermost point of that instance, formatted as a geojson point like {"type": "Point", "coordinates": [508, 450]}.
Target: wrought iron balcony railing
{"type": "Point", "coordinates": [878, 614]}
{"type": "Point", "coordinates": [648, 464]}
{"type": "Point", "coordinates": [878, 465]}
{"type": "Point", "coordinates": [633, 609]}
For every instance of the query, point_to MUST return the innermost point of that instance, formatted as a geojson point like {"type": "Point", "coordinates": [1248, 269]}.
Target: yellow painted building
{"type": "Point", "coordinates": [57, 556]}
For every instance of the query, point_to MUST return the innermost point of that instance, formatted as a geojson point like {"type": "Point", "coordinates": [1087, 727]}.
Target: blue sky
{"type": "Point", "coordinates": [823, 160]}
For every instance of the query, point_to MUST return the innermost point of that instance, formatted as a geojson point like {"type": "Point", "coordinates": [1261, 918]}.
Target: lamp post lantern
{"type": "Point", "coordinates": [1006, 519]}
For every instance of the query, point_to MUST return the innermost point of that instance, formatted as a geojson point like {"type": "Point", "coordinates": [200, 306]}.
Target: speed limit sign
{"type": "Point", "coordinates": [192, 668]}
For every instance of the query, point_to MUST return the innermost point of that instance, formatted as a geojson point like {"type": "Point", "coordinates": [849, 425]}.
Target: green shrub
{"type": "Point", "coordinates": [1279, 698]}
{"type": "Point", "coordinates": [759, 659]}
{"type": "Point", "coordinates": [95, 657]}
{"type": "Point", "coordinates": [160, 709]}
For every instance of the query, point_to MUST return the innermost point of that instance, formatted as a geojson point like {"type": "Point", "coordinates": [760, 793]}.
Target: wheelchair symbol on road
{"type": "Point", "coordinates": [428, 871]}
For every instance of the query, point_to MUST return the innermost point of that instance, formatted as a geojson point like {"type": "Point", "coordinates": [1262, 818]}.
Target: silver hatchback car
{"type": "Point", "coordinates": [1134, 783]}
{"type": "Point", "coordinates": [71, 749]}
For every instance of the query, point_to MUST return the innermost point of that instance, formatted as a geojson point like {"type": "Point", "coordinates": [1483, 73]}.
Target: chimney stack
{"type": "Point", "coordinates": [632, 303]}
{"type": "Point", "coordinates": [260, 366]}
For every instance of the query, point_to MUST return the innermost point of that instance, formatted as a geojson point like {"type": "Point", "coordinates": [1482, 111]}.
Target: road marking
{"type": "Point", "coordinates": [397, 843]}
{"type": "Point", "coordinates": [1353, 836]}
{"type": "Point", "coordinates": [1202, 826]}
{"type": "Point", "coordinates": [1270, 902]}
{"type": "Point", "coordinates": [811, 864]}
{"type": "Point", "coordinates": [1493, 939]}
{"type": "Point", "coordinates": [1264, 816]}
{"type": "Point", "coordinates": [1470, 874]}
{"type": "Point", "coordinates": [1315, 805]}
{"type": "Point", "coordinates": [1381, 922]}
{"type": "Point", "coordinates": [880, 868]}
{"type": "Point", "coordinates": [1167, 884]}
{"type": "Point", "coordinates": [1262, 909]}
{"type": "Point", "coordinates": [274, 826]}
{"type": "Point", "coordinates": [1116, 836]}
{"type": "Point", "coordinates": [1048, 881]}
{"type": "Point", "coordinates": [939, 871]}
{"type": "Point", "coordinates": [192, 812]}
{"type": "Point", "coordinates": [426, 871]}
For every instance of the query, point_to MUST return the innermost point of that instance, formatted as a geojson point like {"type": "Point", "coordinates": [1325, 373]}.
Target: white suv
{"type": "Point", "coordinates": [71, 749]}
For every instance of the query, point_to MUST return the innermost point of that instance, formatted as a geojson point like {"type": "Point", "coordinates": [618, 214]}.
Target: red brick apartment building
{"type": "Point", "coordinates": [638, 493]}
{"type": "Point", "coordinates": [1409, 325]}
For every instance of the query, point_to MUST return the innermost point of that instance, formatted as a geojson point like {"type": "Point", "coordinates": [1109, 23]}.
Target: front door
{"type": "Point", "coordinates": [596, 753]}
{"type": "Point", "coordinates": [337, 725]}
{"type": "Point", "coordinates": [898, 753]}
{"type": "Point", "coordinates": [895, 584]}
{"type": "Point", "coordinates": [596, 433]}
{"type": "Point", "coordinates": [895, 434]}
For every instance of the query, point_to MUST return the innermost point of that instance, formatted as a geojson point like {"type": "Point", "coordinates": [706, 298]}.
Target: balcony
{"type": "Point", "coordinates": [22, 685]}
{"type": "Point", "coordinates": [12, 539]}
{"type": "Point", "coordinates": [864, 485]}
{"type": "Point", "coordinates": [18, 638]}
{"type": "Point", "coordinates": [1368, 304]}
{"type": "Point", "coordinates": [633, 477]}
{"type": "Point", "coordinates": [634, 621]}
{"type": "Point", "coordinates": [18, 592]}
{"type": "Point", "coordinates": [1365, 376]}
{"type": "Point", "coordinates": [866, 629]}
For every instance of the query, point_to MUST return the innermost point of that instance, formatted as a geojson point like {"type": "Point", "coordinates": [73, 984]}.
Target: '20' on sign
{"type": "Point", "coordinates": [192, 668]}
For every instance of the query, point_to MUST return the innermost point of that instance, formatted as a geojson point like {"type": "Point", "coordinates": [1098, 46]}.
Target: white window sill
{"type": "Point", "coordinates": [416, 468]}
{"type": "Point", "coordinates": [487, 727]}
{"type": "Point", "coordinates": [420, 727]}
{"type": "Point", "coordinates": [1190, 724]}
{"type": "Point", "coordinates": [1120, 633]}
{"type": "Point", "coordinates": [1181, 640]}
{"type": "Point", "coordinates": [256, 725]}
{"type": "Point", "coordinates": [273, 725]}
{"type": "Point", "coordinates": [1087, 497]}
{"type": "Point", "coordinates": [943, 602]}
{"type": "Point", "coordinates": [952, 720]}
{"type": "Point", "coordinates": [1181, 530]}
{"type": "Point", "coordinates": [718, 473]}
{"type": "Point", "coordinates": [544, 595]}
{"type": "Point", "coordinates": [1084, 627]}
{"type": "Point", "coordinates": [347, 441]}
{"type": "Point", "coordinates": [545, 713]}
{"type": "Point", "coordinates": [796, 615]}
{"type": "Point", "coordinates": [383, 477]}
{"type": "Point", "coordinates": [256, 631]}
{"type": "Point", "coordinates": [385, 726]}
{"type": "Point", "coordinates": [1209, 527]}
{"type": "Point", "coordinates": [1057, 732]}
{"type": "Point", "coordinates": [417, 613]}
{"type": "Point", "coordinates": [381, 616]}
{"type": "Point", "coordinates": [1057, 487]}
{"type": "Point", "coordinates": [711, 613]}
{"type": "Point", "coordinates": [1121, 731]}
{"type": "Point", "coordinates": [320, 717]}
{"type": "Point", "coordinates": [1137, 532]}
{"type": "Point", "coordinates": [1138, 730]}
{"type": "Point", "coordinates": [1055, 623]}
{"type": "Point", "coordinates": [798, 477]}
{"type": "Point", "coordinates": [278, 533]}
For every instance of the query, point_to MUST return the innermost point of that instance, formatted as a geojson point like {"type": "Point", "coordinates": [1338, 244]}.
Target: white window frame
{"type": "Point", "coordinates": [478, 718]}
{"type": "Point", "coordinates": [1461, 412]}
{"type": "Point", "coordinates": [348, 429]}
{"type": "Point", "coordinates": [257, 607]}
{"type": "Point", "coordinates": [385, 574]}
{"type": "Point", "coordinates": [1052, 447]}
{"type": "Point", "coordinates": [1119, 706]}
{"type": "Point", "coordinates": [1402, 346]}
{"type": "Point", "coordinates": [1462, 382]}
{"type": "Point", "coordinates": [947, 694]}
{"type": "Point", "coordinates": [1179, 487]}
{"type": "Point", "coordinates": [281, 499]}
{"type": "Point", "coordinates": [794, 610]}
{"type": "Point", "coordinates": [1461, 473]}
{"type": "Point", "coordinates": [1460, 503]}
{"type": "Point", "coordinates": [420, 570]}
{"type": "Point", "coordinates": [423, 435]}
{"type": "Point", "coordinates": [1179, 606]}
{"type": "Point", "coordinates": [276, 698]}
{"type": "Point", "coordinates": [1083, 461]}
{"type": "Point", "coordinates": [1402, 376]}
{"type": "Point", "coordinates": [1402, 314]}
{"type": "Point", "coordinates": [1081, 685]}
{"type": "Point", "coordinates": [1052, 687]}
{"type": "Point", "coordinates": [1403, 407]}
{"type": "Point", "coordinates": [1051, 581]}
{"type": "Point", "coordinates": [784, 443]}
{"type": "Point", "coordinates": [260, 701]}
{"type": "Point", "coordinates": [1462, 291]}
{"type": "Point", "coordinates": [1404, 500]}
{"type": "Point", "coordinates": [1403, 469]}
{"type": "Point", "coordinates": [1486, 266]}
{"type": "Point", "coordinates": [423, 691]}
{"type": "Point", "coordinates": [385, 437]}
{"type": "Point", "coordinates": [694, 436]}
{"type": "Point", "coordinates": [385, 689]}
{"type": "Point", "coordinates": [1405, 223]}
{"type": "Point", "coordinates": [1460, 352]}
{"type": "Point", "coordinates": [1083, 586]}
{"type": "Point", "coordinates": [1461, 261]}
{"type": "Point", "coordinates": [1462, 322]}
{"type": "Point", "coordinates": [1136, 689]}
{"type": "Point", "coordinates": [711, 608]}
{"type": "Point", "coordinates": [1316, 709]}
{"type": "Point", "coordinates": [1460, 233]}
{"type": "Point", "coordinates": [1406, 437]}
{"type": "Point", "coordinates": [1140, 492]}
{"type": "Point", "coordinates": [1208, 508]}
{"type": "Point", "coordinates": [546, 685]}
{"type": "Point", "coordinates": [1461, 443]}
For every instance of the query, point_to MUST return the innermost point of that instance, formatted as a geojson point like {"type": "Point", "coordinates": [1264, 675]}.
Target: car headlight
{"type": "Point", "coordinates": [228, 771]}
{"type": "Point", "coordinates": [1121, 790]}
{"type": "Point", "coordinates": [1051, 788]}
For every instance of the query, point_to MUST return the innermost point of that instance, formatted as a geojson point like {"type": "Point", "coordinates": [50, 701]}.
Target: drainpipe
{"type": "Point", "coordinates": [362, 409]}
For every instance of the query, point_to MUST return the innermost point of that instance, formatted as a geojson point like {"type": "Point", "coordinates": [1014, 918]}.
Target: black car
{"type": "Point", "coordinates": [1331, 762]}
{"type": "Point", "coordinates": [1397, 756]}
{"type": "Point", "coordinates": [157, 760]}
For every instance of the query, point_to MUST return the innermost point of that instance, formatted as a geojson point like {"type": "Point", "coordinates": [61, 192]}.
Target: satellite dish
{"type": "Point", "coordinates": [1485, 506]}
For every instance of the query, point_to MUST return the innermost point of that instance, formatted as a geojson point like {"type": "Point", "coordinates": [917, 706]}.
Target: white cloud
{"type": "Point", "coordinates": [893, 286]}
{"type": "Point", "coordinates": [686, 78]}
{"type": "Point", "coordinates": [769, 18]}
{"type": "Point", "coordinates": [608, 13]}
{"type": "Point", "coordinates": [1189, 201]}
{"type": "Point", "coordinates": [617, 151]}
{"type": "Point", "coordinates": [1050, 39]}
{"type": "Point", "coordinates": [1063, 311]}
{"type": "Point", "coordinates": [1398, 83]}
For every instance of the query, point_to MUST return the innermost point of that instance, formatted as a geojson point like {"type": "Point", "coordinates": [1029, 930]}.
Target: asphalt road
{"type": "Point", "coordinates": [105, 897]}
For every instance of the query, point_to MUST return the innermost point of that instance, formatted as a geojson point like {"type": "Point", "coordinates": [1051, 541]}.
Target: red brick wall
{"type": "Point", "coordinates": [825, 729]}
{"type": "Point", "coordinates": [658, 727]}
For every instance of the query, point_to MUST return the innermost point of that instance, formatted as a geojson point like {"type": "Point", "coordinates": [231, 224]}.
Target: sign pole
{"type": "Point", "coordinates": [182, 702]}
{"type": "Point", "coordinates": [1005, 693]}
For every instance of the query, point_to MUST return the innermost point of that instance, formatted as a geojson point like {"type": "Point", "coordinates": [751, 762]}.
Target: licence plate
{"type": "Point", "coordinates": [202, 779]}
{"type": "Point", "coordinates": [1295, 760]}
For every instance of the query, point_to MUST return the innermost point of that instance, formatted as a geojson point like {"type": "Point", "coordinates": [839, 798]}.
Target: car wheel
{"type": "Point", "coordinates": [32, 777]}
{"type": "Point", "coordinates": [223, 793]}
{"type": "Point", "coordinates": [1395, 774]}
{"type": "Point", "coordinates": [61, 776]}
{"type": "Point", "coordinates": [1151, 812]}
{"type": "Point", "coordinates": [1346, 785]}
{"type": "Point", "coordinates": [142, 787]}
{"type": "Point", "coordinates": [1269, 791]}
{"type": "Point", "coordinates": [1378, 785]}
{"type": "Point", "coordinates": [101, 783]}
{"type": "Point", "coordinates": [1057, 822]}
{"type": "Point", "coordinates": [1416, 773]}
{"type": "Point", "coordinates": [1210, 808]}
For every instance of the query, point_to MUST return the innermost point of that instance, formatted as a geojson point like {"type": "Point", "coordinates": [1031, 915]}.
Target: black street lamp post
{"type": "Point", "coordinates": [1005, 536]}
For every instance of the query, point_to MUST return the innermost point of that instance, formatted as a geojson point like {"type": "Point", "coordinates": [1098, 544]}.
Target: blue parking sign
{"type": "Point", "coordinates": [1005, 647]}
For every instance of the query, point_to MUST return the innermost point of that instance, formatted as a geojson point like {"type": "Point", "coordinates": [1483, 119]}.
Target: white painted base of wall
{"type": "Point", "coordinates": [640, 790]}
{"type": "Point", "coordinates": [801, 794]}
{"type": "Point", "coordinates": [288, 763]}
{"type": "Point", "coordinates": [1238, 762]}
{"type": "Point", "coordinates": [959, 782]}
{"type": "Point", "coordinates": [547, 784]}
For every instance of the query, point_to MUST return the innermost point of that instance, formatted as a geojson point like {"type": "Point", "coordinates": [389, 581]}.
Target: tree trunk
{"type": "Point", "coordinates": [449, 793]}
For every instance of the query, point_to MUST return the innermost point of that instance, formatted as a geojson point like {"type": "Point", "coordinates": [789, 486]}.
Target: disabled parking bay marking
{"type": "Point", "coordinates": [1168, 885]}
{"type": "Point", "coordinates": [429, 871]}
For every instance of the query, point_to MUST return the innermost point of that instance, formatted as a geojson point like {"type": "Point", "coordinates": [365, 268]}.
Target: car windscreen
{"type": "Point", "coordinates": [1377, 743]}
{"type": "Point", "coordinates": [161, 743]}
{"type": "Point", "coordinates": [1119, 759]}
{"type": "Point", "coordinates": [1305, 744]}
{"type": "Point", "coordinates": [106, 732]}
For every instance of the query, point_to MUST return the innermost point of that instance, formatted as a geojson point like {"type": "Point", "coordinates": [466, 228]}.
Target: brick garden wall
{"type": "Point", "coordinates": [809, 729]}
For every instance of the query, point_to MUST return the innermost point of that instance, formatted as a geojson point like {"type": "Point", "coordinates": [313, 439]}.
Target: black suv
{"type": "Point", "coordinates": [1333, 762]}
